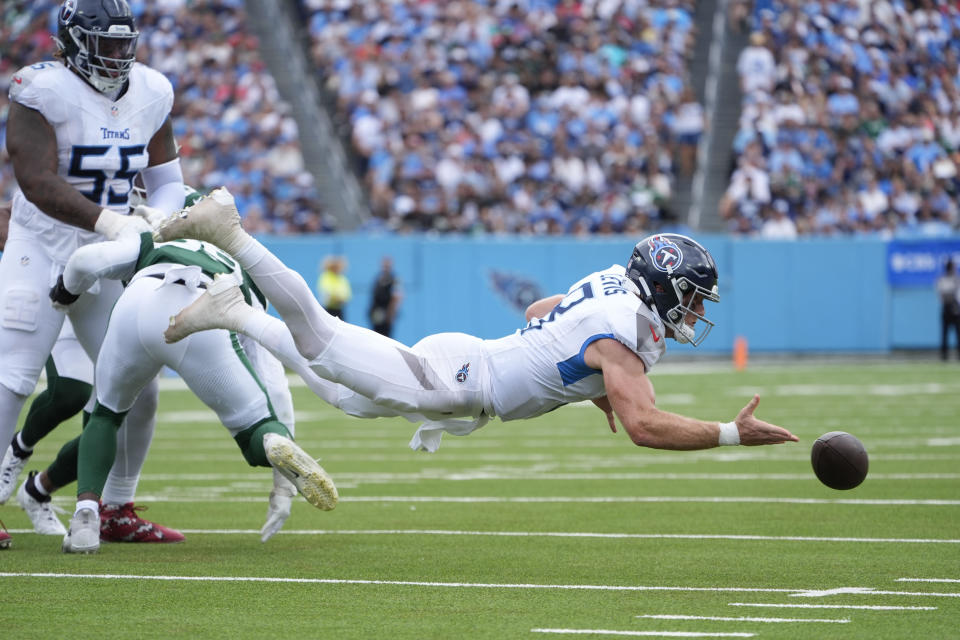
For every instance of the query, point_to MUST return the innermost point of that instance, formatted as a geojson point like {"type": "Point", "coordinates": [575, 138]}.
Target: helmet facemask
{"type": "Point", "coordinates": [103, 58]}
{"type": "Point", "coordinates": [687, 295]}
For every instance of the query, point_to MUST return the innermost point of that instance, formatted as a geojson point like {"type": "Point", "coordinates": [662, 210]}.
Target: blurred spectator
{"type": "Point", "coordinates": [385, 299]}
{"type": "Point", "coordinates": [228, 118]}
{"type": "Point", "coordinates": [526, 116]}
{"type": "Point", "coordinates": [850, 110]}
{"type": "Point", "coordinates": [948, 289]}
{"type": "Point", "coordinates": [333, 287]}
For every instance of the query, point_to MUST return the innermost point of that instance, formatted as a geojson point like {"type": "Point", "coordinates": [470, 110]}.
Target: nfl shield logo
{"type": "Point", "coordinates": [114, 111]}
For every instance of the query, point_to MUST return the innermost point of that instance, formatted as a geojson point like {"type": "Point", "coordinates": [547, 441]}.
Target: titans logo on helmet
{"type": "Point", "coordinates": [67, 10]}
{"type": "Point", "coordinates": [462, 373]}
{"type": "Point", "coordinates": [664, 254]}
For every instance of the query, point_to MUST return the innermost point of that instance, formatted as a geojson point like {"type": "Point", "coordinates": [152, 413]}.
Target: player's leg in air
{"type": "Point", "coordinates": [388, 372]}
{"type": "Point", "coordinates": [133, 351]}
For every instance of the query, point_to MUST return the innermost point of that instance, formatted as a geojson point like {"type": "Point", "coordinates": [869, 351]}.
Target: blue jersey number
{"type": "Point", "coordinates": [99, 176]}
{"type": "Point", "coordinates": [572, 299]}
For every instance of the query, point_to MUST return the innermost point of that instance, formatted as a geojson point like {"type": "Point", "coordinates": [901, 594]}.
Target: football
{"type": "Point", "coordinates": [839, 460]}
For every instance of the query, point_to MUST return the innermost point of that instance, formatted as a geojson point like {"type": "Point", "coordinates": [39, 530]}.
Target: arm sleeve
{"type": "Point", "coordinates": [114, 260]}
{"type": "Point", "coordinates": [164, 183]}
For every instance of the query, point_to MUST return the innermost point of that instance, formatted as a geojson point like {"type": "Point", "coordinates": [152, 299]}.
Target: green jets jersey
{"type": "Point", "coordinates": [210, 258]}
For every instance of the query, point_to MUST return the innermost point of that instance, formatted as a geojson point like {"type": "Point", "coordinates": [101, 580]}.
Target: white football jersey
{"type": "Point", "coordinates": [541, 366]}
{"type": "Point", "coordinates": [101, 143]}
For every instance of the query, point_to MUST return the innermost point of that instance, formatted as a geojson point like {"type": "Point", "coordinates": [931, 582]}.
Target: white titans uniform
{"type": "Point", "coordinates": [455, 383]}
{"type": "Point", "coordinates": [541, 366]}
{"type": "Point", "coordinates": [101, 145]}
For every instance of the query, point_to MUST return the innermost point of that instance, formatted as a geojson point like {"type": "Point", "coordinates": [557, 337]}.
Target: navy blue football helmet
{"type": "Point", "coordinates": [98, 40]}
{"type": "Point", "coordinates": [670, 270]}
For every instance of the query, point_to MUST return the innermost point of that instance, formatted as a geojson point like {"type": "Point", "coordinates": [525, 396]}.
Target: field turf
{"type": "Point", "coordinates": [552, 527]}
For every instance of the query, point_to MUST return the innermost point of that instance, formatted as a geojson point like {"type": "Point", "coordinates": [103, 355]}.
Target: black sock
{"type": "Point", "coordinates": [19, 451]}
{"type": "Point", "coordinates": [32, 489]}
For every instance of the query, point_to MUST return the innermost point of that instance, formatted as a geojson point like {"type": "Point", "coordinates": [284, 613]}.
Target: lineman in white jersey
{"type": "Point", "coordinates": [596, 342]}
{"type": "Point", "coordinates": [78, 131]}
{"type": "Point", "coordinates": [162, 279]}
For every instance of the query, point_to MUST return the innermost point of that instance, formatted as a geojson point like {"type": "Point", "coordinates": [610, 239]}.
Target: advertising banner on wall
{"type": "Point", "coordinates": [918, 263]}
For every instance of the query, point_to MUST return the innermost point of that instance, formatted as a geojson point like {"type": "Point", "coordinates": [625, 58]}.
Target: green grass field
{"type": "Point", "coordinates": [546, 528]}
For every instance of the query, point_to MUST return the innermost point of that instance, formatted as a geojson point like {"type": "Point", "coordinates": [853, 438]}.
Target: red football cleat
{"type": "Point", "coordinates": [5, 538]}
{"type": "Point", "coordinates": [120, 523]}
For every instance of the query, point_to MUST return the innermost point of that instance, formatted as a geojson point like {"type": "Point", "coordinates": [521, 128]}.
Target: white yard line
{"type": "Point", "coordinates": [499, 474]}
{"type": "Point", "coordinates": [950, 580]}
{"type": "Point", "coordinates": [189, 496]}
{"type": "Point", "coordinates": [870, 607]}
{"type": "Point", "coordinates": [658, 634]}
{"type": "Point", "coordinates": [401, 583]}
{"type": "Point", "coordinates": [566, 534]}
{"type": "Point", "coordinates": [667, 616]}
{"type": "Point", "coordinates": [470, 585]}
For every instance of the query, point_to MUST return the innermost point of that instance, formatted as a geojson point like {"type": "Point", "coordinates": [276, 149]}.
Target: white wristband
{"type": "Point", "coordinates": [729, 434]}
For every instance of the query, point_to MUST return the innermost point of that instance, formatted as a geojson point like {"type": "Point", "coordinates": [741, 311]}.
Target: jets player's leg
{"type": "Point", "coordinates": [217, 370]}
{"type": "Point", "coordinates": [133, 442]}
{"type": "Point", "coordinates": [124, 368]}
{"type": "Point", "coordinates": [120, 521]}
{"type": "Point", "coordinates": [271, 372]}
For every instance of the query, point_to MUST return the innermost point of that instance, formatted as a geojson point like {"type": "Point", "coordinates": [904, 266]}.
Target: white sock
{"type": "Point", "coordinates": [39, 486]}
{"type": "Point", "coordinates": [87, 504]}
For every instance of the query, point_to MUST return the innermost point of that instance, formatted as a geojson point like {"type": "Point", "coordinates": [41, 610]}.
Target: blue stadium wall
{"type": "Point", "coordinates": [859, 295]}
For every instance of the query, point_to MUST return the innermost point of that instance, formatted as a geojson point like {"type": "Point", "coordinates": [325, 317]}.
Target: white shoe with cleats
{"type": "Point", "coordinates": [304, 472]}
{"type": "Point", "coordinates": [214, 219]}
{"type": "Point", "coordinates": [10, 470]}
{"type": "Point", "coordinates": [84, 534]}
{"type": "Point", "coordinates": [41, 514]}
{"type": "Point", "coordinates": [221, 306]}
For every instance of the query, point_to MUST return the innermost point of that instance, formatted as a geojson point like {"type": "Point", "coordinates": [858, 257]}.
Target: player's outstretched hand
{"type": "Point", "coordinates": [754, 431]}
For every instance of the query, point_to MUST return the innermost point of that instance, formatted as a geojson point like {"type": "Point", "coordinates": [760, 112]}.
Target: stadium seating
{"type": "Point", "coordinates": [232, 126]}
{"type": "Point", "coordinates": [533, 116]}
{"type": "Point", "coordinates": [850, 121]}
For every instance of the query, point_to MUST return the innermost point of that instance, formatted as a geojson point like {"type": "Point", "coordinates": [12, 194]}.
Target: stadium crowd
{"type": "Point", "coordinates": [530, 116]}
{"type": "Point", "coordinates": [229, 119]}
{"type": "Point", "coordinates": [850, 121]}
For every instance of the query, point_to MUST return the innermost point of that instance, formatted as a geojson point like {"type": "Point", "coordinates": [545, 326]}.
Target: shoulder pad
{"type": "Point", "coordinates": [32, 74]}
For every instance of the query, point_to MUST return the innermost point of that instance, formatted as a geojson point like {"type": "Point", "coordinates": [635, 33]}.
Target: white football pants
{"type": "Point", "coordinates": [29, 328]}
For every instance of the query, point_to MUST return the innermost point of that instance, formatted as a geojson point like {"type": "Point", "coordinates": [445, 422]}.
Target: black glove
{"type": "Point", "coordinates": [60, 297]}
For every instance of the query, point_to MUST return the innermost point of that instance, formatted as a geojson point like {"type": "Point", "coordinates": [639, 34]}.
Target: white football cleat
{"type": "Point", "coordinates": [10, 470]}
{"type": "Point", "coordinates": [221, 306]}
{"type": "Point", "coordinates": [213, 218]}
{"type": "Point", "coordinates": [84, 534]}
{"type": "Point", "coordinates": [304, 472]}
{"type": "Point", "coordinates": [41, 514]}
